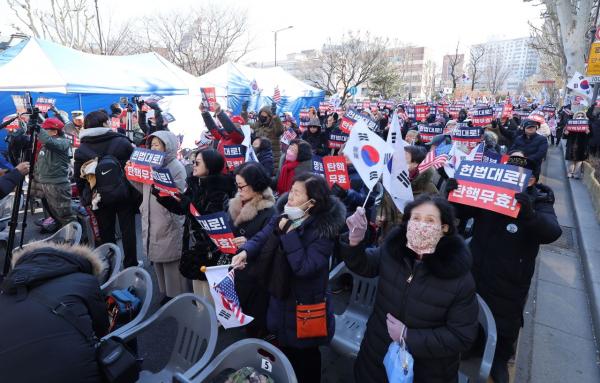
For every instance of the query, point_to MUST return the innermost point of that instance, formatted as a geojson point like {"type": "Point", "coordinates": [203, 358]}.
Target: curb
{"type": "Point", "coordinates": [587, 259]}
{"type": "Point", "coordinates": [593, 187]}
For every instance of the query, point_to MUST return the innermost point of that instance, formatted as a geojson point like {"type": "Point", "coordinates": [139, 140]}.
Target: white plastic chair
{"type": "Point", "coordinates": [256, 353]}
{"type": "Point", "coordinates": [141, 282]}
{"type": "Point", "coordinates": [350, 326]}
{"type": "Point", "coordinates": [196, 337]}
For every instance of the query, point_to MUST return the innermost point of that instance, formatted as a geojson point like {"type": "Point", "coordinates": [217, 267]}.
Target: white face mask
{"type": "Point", "coordinates": [295, 212]}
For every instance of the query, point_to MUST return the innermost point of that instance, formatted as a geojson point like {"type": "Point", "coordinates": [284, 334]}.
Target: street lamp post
{"type": "Point", "coordinates": [275, 34]}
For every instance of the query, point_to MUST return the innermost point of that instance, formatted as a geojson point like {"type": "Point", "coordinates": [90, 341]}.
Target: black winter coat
{"type": "Point", "coordinates": [504, 251]}
{"type": "Point", "coordinates": [208, 195]}
{"type": "Point", "coordinates": [318, 141]}
{"type": "Point", "coordinates": [306, 251]}
{"type": "Point", "coordinates": [594, 119]}
{"type": "Point", "coordinates": [9, 181]}
{"type": "Point", "coordinates": [247, 221]}
{"type": "Point", "coordinates": [98, 141]}
{"type": "Point", "coordinates": [438, 305]}
{"type": "Point", "coordinates": [37, 345]}
{"type": "Point", "coordinates": [534, 147]}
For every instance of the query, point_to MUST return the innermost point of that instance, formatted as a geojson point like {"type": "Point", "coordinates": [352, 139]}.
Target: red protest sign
{"type": "Point", "coordinates": [13, 125]}
{"type": "Point", "coordinates": [578, 126]}
{"type": "Point", "coordinates": [217, 228]}
{"type": "Point", "coordinates": [421, 112]}
{"type": "Point", "coordinates": [139, 173]}
{"type": "Point", "coordinates": [490, 186]}
{"type": "Point", "coordinates": [209, 98]}
{"type": "Point", "coordinates": [336, 171]}
{"type": "Point", "coordinates": [44, 104]}
{"type": "Point", "coordinates": [483, 116]}
{"type": "Point", "coordinates": [234, 156]}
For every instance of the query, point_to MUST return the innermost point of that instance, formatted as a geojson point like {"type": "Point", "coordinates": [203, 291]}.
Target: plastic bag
{"type": "Point", "coordinates": [398, 364]}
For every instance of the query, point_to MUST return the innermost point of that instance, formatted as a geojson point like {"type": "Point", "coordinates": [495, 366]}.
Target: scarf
{"type": "Point", "coordinates": [286, 177]}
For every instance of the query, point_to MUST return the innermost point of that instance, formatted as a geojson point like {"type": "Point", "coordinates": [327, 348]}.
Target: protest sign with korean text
{"type": "Point", "coordinates": [421, 112]}
{"type": "Point", "coordinates": [217, 227]}
{"type": "Point", "coordinates": [336, 171]}
{"type": "Point", "coordinates": [22, 103]}
{"type": "Point", "coordinates": [427, 132]}
{"type": "Point", "coordinates": [141, 162]}
{"type": "Point", "coordinates": [351, 117]}
{"type": "Point", "coordinates": [336, 139]}
{"type": "Point", "coordinates": [467, 136]}
{"type": "Point", "coordinates": [234, 156]}
{"type": "Point", "coordinates": [163, 181]}
{"type": "Point", "coordinates": [317, 168]}
{"type": "Point", "coordinates": [324, 106]}
{"type": "Point", "coordinates": [482, 116]}
{"type": "Point", "coordinates": [410, 112]}
{"type": "Point", "coordinates": [304, 118]}
{"type": "Point", "coordinates": [44, 104]}
{"type": "Point", "coordinates": [580, 125]}
{"type": "Point", "coordinates": [490, 186]}
{"type": "Point", "coordinates": [209, 98]}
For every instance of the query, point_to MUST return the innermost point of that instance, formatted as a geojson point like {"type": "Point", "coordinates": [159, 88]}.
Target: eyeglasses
{"type": "Point", "coordinates": [240, 188]}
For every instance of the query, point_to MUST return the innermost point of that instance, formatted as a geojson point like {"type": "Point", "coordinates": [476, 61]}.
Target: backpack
{"type": "Point", "coordinates": [122, 306]}
{"type": "Point", "coordinates": [111, 183]}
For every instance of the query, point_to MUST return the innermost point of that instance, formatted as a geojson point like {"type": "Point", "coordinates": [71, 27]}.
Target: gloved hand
{"type": "Point", "coordinates": [174, 204]}
{"type": "Point", "coordinates": [245, 106]}
{"type": "Point", "coordinates": [357, 226]}
{"type": "Point", "coordinates": [451, 184]}
{"type": "Point", "coordinates": [395, 328]}
{"type": "Point", "coordinates": [526, 211]}
{"type": "Point", "coordinates": [339, 191]}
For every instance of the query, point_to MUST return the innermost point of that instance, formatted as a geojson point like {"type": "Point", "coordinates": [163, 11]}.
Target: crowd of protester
{"type": "Point", "coordinates": [290, 227]}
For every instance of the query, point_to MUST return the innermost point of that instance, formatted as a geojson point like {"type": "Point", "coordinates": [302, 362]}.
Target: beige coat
{"type": "Point", "coordinates": [162, 231]}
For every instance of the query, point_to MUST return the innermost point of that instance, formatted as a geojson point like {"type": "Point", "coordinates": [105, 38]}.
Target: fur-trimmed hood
{"type": "Point", "coordinates": [328, 223]}
{"type": "Point", "coordinates": [42, 261]}
{"type": "Point", "coordinates": [243, 213]}
{"type": "Point", "coordinates": [451, 258]}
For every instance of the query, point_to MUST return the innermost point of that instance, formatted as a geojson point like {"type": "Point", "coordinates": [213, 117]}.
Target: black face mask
{"type": "Point", "coordinates": [263, 119]}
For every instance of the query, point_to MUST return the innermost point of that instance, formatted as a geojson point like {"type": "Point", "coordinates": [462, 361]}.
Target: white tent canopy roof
{"type": "Point", "coordinates": [38, 65]}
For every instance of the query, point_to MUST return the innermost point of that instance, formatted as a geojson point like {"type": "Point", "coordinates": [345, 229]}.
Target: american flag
{"type": "Point", "coordinates": [477, 153]}
{"type": "Point", "coordinates": [229, 298]}
{"type": "Point", "coordinates": [437, 161]}
{"type": "Point", "coordinates": [277, 95]}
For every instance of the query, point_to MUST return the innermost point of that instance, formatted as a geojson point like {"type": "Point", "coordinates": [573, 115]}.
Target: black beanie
{"type": "Point", "coordinates": [213, 160]}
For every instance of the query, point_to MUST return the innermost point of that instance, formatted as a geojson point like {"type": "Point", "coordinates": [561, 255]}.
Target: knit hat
{"type": "Point", "coordinates": [525, 163]}
{"type": "Point", "coordinates": [53, 123]}
{"type": "Point", "coordinates": [527, 123]}
{"type": "Point", "coordinates": [314, 122]}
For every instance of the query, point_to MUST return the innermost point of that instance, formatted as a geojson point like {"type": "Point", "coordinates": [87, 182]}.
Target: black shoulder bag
{"type": "Point", "coordinates": [117, 364]}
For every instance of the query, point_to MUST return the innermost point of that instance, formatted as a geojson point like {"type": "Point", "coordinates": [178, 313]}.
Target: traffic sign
{"type": "Point", "coordinates": [352, 91]}
{"type": "Point", "coordinates": [595, 79]}
{"type": "Point", "coordinates": [593, 67]}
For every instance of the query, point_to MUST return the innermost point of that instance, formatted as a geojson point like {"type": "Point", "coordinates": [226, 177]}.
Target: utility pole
{"type": "Point", "coordinates": [275, 35]}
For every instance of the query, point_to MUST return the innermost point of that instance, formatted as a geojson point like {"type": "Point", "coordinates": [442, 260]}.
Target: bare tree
{"type": "Point", "coordinates": [496, 72]}
{"type": "Point", "coordinates": [430, 79]}
{"type": "Point", "coordinates": [565, 26]}
{"type": "Point", "coordinates": [455, 65]}
{"type": "Point", "coordinates": [350, 63]}
{"type": "Point", "coordinates": [71, 23]}
{"type": "Point", "coordinates": [67, 22]}
{"type": "Point", "coordinates": [475, 56]}
{"type": "Point", "coordinates": [199, 40]}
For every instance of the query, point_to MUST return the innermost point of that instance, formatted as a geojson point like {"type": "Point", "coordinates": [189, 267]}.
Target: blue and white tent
{"type": "Point", "coordinates": [83, 81]}
{"type": "Point", "coordinates": [235, 83]}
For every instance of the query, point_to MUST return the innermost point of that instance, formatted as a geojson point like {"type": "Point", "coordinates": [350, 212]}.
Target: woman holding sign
{"type": "Point", "coordinates": [293, 253]}
{"type": "Point", "coordinates": [161, 230]}
{"type": "Point", "coordinates": [577, 133]}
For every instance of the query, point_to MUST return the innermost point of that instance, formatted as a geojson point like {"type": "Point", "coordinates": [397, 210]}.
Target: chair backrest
{"type": "Point", "coordinates": [256, 353]}
{"type": "Point", "coordinates": [486, 320]}
{"type": "Point", "coordinates": [141, 282]}
{"type": "Point", "coordinates": [196, 337]}
{"type": "Point", "coordinates": [363, 294]}
{"type": "Point", "coordinates": [112, 254]}
{"type": "Point", "coordinates": [70, 233]}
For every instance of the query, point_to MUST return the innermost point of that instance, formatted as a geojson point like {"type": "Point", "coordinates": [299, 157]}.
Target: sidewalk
{"type": "Point", "coordinates": [557, 342]}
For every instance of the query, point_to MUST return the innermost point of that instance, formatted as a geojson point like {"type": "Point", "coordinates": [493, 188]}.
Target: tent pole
{"type": "Point", "coordinates": [80, 103]}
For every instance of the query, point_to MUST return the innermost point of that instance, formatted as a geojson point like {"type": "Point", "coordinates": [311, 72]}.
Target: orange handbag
{"type": "Point", "coordinates": [311, 320]}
